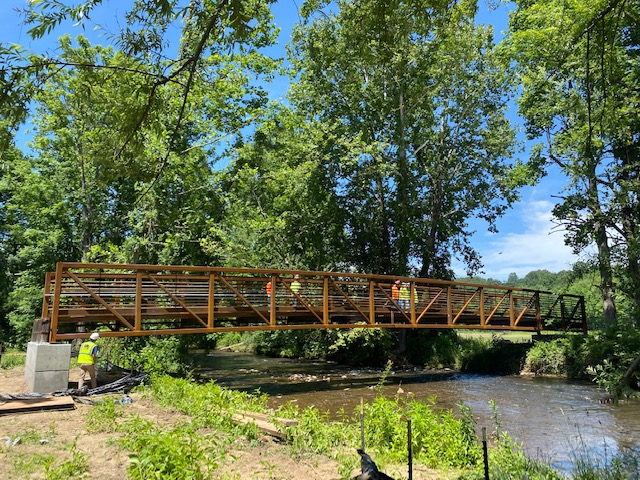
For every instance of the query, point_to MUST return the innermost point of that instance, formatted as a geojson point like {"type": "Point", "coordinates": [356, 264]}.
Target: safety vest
{"type": "Point", "coordinates": [395, 292]}
{"type": "Point", "coordinates": [295, 286]}
{"type": "Point", "coordinates": [268, 288]}
{"type": "Point", "coordinates": [404, 293]}
{"type": "Point", "coordinates": [85, 356]}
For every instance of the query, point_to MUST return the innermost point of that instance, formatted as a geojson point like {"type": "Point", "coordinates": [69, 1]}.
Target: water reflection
{"type": "Point", "coordinates": [552, 418]}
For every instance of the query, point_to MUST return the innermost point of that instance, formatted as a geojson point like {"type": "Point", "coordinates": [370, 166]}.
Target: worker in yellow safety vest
{"type": "Point", "coordinates": [295, 289]}
{"type": "Point", "coordinates": [87, 360]}
{"type": "Point", "coordinates": [404, 295]}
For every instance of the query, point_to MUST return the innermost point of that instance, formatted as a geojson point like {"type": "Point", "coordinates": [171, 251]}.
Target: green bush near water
{"type": "Point", "coordinates": [494, 355]}
{"type": "Point", "coordinates": [168, 354]}
{"type": "Point", "coordinates": [547, 358]}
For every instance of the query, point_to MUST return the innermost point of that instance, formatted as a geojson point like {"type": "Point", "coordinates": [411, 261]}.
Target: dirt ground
{"type": "Point", "coordinates": [53, 433]}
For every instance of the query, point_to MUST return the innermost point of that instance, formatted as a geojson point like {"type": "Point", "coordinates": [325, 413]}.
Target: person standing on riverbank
{"type": "Point", "coordinates": [87, 358]}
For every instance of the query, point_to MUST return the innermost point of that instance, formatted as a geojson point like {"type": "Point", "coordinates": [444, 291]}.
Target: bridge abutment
{"type": "Point", "coordinates": [47, 366]}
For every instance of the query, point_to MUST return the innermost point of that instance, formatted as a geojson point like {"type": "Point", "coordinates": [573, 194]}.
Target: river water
{"type": "Point", "coordinates": [552, 418]}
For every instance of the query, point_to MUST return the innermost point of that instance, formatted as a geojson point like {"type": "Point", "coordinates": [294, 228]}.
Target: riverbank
{"type": "Point", "coordinates": [67, 444]}
{"type": "Point", "coordinates": [188, 428]}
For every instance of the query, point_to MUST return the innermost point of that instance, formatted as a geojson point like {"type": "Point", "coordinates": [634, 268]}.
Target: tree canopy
{"type": "Point", "coordinates": [161, 146]}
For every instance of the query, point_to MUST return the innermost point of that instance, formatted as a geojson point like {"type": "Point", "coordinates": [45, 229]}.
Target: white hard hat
{"type": "Point", "coordinates": [94, 336]}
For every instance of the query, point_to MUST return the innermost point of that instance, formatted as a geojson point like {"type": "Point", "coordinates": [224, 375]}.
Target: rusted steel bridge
{"type": "Point", "coordinates": [131, 300]}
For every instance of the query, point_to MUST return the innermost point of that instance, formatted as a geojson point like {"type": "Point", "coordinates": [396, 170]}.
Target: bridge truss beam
{"type": "Point", "coordinates": [132, 300]}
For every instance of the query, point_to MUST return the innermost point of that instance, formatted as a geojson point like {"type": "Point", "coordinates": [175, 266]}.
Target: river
{"type": "Point", "coordinates": [552, 418]}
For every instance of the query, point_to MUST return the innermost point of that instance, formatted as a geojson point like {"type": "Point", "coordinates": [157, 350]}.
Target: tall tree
{"type": "Point", "coordinates": [418, 85]}
{"type": "Point", "coordinates": [99, 185]}
{"type": "Point", "coordinates": [207, 31]}
{"type": "Point", "coordinates": [578, 64]}
{"type": "Point", "coordinates": [279, 193]}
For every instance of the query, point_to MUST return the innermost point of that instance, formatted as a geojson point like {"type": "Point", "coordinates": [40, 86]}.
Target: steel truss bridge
{"type": "Point", "coordinates": [131, 300]}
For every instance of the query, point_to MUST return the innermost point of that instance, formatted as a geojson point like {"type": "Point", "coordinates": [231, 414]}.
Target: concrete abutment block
{"type": "Point", "coordinates": [47, 366]}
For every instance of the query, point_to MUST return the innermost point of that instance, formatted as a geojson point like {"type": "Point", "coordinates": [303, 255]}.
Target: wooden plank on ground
{"type": "Point", "coordinates": [37, 404]}
{"type": "Point", "coordinates": [287, 422]}
{"type": "Point", "coordinates": [262, 422]}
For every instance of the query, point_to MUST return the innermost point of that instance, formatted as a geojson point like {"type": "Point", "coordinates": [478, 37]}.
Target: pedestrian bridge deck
{"type": "Point", "coordinates": [130, 300]}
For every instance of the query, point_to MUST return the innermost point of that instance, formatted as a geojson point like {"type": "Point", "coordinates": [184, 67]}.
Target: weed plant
{"type": "Point", "coordinates": [180, 453]}
{"type": "Point", "coordinates": [439, 438]}
{"type": "Point", "coordinates": [602, 465]}
{"type": "Point", "coordinates": [209, 405]}
{"type": "Point", "coordinates": [104, 416]}
{"type": "Point", "coordinates": [45, 465]}
{"type": "Point", "coordinates": [75, 467]}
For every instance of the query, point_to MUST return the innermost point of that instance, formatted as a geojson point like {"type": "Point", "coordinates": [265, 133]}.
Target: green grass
{"type": "Point", "coordinates": [515, 337]}
{"type": "Point", "coordinates": [13, 358]}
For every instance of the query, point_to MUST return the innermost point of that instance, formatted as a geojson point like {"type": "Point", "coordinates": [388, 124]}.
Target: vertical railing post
{"type": "Point", "coordinates": [536, 300]}
{"type": "Point", "coordinates": [449, 306]}
{"type": "Point", "coordinates": [512, 313]}
{"type": "Point", "coordinates": [412, 302]}
{"type": "Point", "coordinates": [56, 303]}
{"type": "Point", "coordinates": [47, 291]}
{"type": "Point", "coordinates": [483, 318]}
{"type": "Point", "coordinates": [583, 313]}
{"type": "Point", "coordinates": [138, 305]}
{"type": "Point", "coordinates": [372, 302]}
{"type": "Point", "coordinates": [211, 300]}
{"type": "Point", "coordinates": [272, 301]}
{"type": "Point", "coordinates": [325, 300]}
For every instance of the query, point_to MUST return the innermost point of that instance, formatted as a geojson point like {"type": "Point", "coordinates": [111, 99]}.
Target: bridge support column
{"type": "Point", "coordinates": [47, 366]}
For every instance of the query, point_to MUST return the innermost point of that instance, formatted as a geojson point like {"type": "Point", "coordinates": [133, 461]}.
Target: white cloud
{"type": "Point", "coordinates": [539, 247]}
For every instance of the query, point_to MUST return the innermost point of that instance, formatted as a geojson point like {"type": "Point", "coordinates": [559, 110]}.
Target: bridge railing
{"type": "Point", "coordinates": [131, 299]}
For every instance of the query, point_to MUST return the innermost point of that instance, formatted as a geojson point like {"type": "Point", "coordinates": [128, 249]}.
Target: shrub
{"type": "Point", "coordinates": [547, 358]}
{"type": "Point", "coordinates": [492, 356]}
{"type": "Point", "coordinates": [174, 454]}
{"type": "Point", "coordinates": [439, 438]}
{"type": "Point", "coordinates": [433, 348]}
{"type": "Point", "coordinates": [148, 354]}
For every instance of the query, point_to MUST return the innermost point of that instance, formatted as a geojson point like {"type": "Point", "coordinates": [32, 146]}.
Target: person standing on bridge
{"type": "Point", "coordinates": [268, 289]}
{"type": "Point", "coordinates": [395, 292]}
{"type": "Point", "coordinates": [295, 288]}
{"type": "Point", "coordinates": [404, 296]}
{"type": "Point", "coordinates": [87, 360]}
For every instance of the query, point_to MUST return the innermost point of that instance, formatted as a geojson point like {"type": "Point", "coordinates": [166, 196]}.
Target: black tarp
{"type": "Point", "coordinates": [118, 380]}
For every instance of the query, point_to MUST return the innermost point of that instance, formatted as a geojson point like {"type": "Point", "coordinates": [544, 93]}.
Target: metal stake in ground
{"type": "Point", "coordinates": [362, 423]}
{"type": "Point", "coordinates": [486, 455]}
{"type": "Point", "coordinates": [409, 449]}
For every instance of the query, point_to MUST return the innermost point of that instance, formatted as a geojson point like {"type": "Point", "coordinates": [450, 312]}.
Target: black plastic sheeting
{"type": "Point", "coordinates": [125, 381]}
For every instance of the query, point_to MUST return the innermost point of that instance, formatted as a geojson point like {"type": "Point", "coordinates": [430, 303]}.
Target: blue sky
{"type": "Point", "coordinates": [527, 239]}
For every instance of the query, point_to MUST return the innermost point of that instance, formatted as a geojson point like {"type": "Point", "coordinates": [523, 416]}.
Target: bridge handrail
{"type": "Point", "coordinates": [115, 293]}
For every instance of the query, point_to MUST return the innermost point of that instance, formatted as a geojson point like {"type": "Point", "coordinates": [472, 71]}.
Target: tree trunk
{"type": "Point", "coordinates": [626, 378]}
{"type": "Point", "coordinates": [386, 254]}
{"type": "Point", "coordinates": [402, 224]}
{"type": "Point", "coordinates": [604, 261]}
